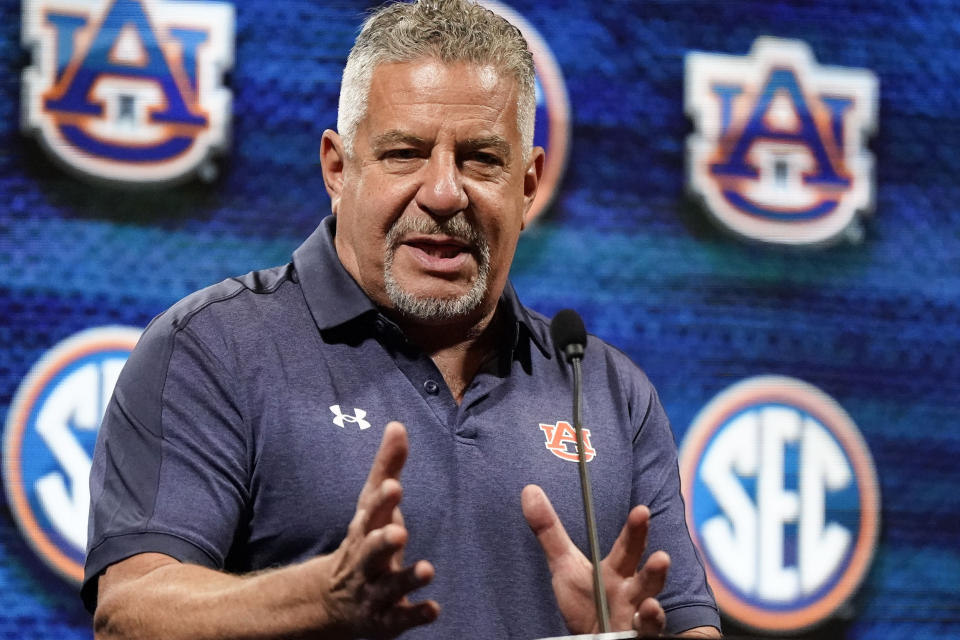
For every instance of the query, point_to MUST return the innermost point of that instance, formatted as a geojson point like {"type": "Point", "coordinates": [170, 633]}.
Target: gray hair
{"type": "Point", "coordinates": [448, 31]}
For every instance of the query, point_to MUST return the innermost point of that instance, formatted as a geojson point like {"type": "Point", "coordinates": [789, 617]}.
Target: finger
{"type": "Point", "coordinates": [544, 523]}
{"type": "Point", "coordinates": [405, 615]}
{"type": "Point", "coordinates": [382, 504]}
{"type": "Point", "coordinates": [387, 465]}
{"type": "Point", "coordinates": [377, 507]}
{"type": "Point", "coordinates": [379, 547]}
{"type": "Point", "coordinates": [652, 577]}
{"type": "Point", "coordinates": [391, 456]}
{"type": "Point", "coordinates": [650, 620]}
{"type": "Point", "coordinates": [396, 562]}
{"type": "Point", "coordinates": [627, 550]}
{"type": "Point", "coordinates": [391, 588]}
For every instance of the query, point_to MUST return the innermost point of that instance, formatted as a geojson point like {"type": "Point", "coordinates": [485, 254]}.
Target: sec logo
{"type": "Point", "coordinates": [49, 437]}
{"type": "Point", "coordinates": [552, 127]}
{"type": "Point", "coordinates": [782, 501]}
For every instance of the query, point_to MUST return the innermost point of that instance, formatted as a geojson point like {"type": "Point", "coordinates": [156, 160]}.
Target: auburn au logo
{"type": "Point", "coordinates": [779, 153]}
{"type": "Point", "coordinates": [129, 91]}
{"type": "Point", "coordinates": [782, 500]}
{"type": "Point", "coordinates": [562, 441]}
{"type": "Point", "coordinates": [49, 437]}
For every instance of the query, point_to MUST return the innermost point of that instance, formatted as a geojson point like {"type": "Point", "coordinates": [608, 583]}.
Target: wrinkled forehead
{"type": "Point", "coordinates": [429, 88]}
{"type": "Point", "coordinates": [432, 73]}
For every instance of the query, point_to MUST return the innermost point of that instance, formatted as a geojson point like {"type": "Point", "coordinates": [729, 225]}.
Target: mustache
{"type": "Point", "coordinates": [457, 227]}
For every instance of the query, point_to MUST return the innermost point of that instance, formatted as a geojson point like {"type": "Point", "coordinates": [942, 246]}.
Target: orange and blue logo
{"type": "Point", "coordinates": [561, 440]}
{"type": "Point", "coordinates": [781, 500]}
{"type": "Point", "coordinates": [779, 150]}
{"type": "Point", "coordinates": [552, 128]}
{"type": "Point", "coordinates": [129, 91]}
{"type": "Point", "coordinates": [49, 437]}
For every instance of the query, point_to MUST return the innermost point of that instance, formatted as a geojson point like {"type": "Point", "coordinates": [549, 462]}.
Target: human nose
{"type": "Point", "coordinates": [441, 193]}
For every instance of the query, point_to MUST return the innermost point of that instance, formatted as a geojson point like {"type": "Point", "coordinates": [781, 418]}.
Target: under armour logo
{"type": "Point", "coordinates": [357, 418]}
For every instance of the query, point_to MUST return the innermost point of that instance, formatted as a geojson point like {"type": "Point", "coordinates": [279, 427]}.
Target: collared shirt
{"type": "Point", "coordinates": [243, 427]}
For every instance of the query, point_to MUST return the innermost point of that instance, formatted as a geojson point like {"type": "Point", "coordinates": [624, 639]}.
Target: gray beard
{"type": "Point", "coordinates": [431, 309]}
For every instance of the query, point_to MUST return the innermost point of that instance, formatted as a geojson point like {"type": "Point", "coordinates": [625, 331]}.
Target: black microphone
{"type": "Point", "coordinates": [569, 334]}
{"type": "Point", "coordinates": [570, 337]}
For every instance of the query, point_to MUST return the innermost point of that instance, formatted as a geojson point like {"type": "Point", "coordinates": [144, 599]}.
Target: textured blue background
{"type": "Point", "coordinates": [874, 324]}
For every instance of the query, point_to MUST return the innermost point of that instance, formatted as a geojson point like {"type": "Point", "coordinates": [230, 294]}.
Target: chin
{"type": "Point", "coordinates": [436, 301]}
{"type": "Point", "coordinates": [438, 310]}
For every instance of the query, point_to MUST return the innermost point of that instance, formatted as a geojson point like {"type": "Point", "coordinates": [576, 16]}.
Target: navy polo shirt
{"type": "Point", "coordinates": [244, 424]}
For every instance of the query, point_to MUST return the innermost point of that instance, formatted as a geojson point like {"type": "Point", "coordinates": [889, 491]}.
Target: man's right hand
{"type": "Point", "coordinates": [368, 584]}
{"type": "Point", "coordinates": [358, 591]}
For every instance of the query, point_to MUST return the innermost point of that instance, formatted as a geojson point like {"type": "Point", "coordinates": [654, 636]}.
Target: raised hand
{"type": "Point", "coordinates": [366, 595]}
{"type": "Point", "coordinates": [631, 593]}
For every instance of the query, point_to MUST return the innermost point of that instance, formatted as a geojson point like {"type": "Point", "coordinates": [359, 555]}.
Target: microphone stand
{"type": "Point", "coordinates": [568, 333]}
{"type": "Point", "coordinates": [599, 592]}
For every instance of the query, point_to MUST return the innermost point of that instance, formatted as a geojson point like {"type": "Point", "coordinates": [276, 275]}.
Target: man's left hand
{"type": "Point", "coordinates": [631, 593]}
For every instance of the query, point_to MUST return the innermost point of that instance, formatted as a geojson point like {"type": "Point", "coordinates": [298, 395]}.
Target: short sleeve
{"type": "Point", "coordinates": [170, 467]}
{"type": "Point", "coordinates": [686, 597]}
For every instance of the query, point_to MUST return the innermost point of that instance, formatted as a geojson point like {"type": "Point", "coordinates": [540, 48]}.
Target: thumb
{"type": "Point", "coordinates": [544, 523]}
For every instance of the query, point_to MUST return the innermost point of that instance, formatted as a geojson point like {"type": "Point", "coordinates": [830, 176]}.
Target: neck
{"type": "Point", "coordinates": [458, 348]}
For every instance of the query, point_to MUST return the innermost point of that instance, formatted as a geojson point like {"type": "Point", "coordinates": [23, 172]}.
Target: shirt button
{"type": "Point", "coordinates": [431, 387]}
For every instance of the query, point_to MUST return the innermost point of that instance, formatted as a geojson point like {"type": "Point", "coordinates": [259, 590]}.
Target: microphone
{"type": "Point", "coordinates": [570, 337]}
{"type": "Point", "coordinates": [569, 334]}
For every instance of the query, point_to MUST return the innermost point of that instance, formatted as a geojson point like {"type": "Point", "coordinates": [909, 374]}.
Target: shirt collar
{"type": "Point", "coordinates": [334, 297]}
{"type": "Point", "coordinates": [523, 319]}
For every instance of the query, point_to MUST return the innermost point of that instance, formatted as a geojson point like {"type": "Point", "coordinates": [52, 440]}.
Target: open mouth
{"type": "Point", "coordinates": [439, 253]}
{"type": "Point", "coordinates": [439, 250]}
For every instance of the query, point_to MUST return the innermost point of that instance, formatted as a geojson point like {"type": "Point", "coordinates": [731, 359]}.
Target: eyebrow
{"type": "Point", "coordinates": [396, 136]}
{"type": "Point", "coordinates": [495, 143]}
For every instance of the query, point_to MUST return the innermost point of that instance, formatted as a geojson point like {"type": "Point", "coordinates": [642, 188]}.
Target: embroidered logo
{"type": "Point", "coordinates": [48, 442]}
{"type": "Point", "coordinates": [129, 91]}
{"type": "Point", "coordinates": [562, 441]}
{"type": "Point", "coordinates": [340, 418]}
{"type": "Point", "coordinates": [782, 500]}
{"type": "Point", "coordinates": [779, 152]}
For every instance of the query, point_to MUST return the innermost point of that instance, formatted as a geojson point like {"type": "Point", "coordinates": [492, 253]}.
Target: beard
{"type": "Point", "coordinates": [429, 308]}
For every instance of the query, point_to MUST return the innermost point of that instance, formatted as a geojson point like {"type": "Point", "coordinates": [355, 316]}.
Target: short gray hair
{"type": "Point", "coordinates": [448, 31]}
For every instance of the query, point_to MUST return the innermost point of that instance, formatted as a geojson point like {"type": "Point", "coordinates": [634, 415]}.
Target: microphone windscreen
{"type": "Point", "coordinates": [567, 328]}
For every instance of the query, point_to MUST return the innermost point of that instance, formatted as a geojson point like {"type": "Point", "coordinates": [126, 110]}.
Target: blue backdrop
{"type": "Point", "coordinates": [875, 323]}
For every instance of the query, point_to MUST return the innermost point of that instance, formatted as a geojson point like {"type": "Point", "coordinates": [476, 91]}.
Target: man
{"type": "Point", "coordinates": [244, 482]}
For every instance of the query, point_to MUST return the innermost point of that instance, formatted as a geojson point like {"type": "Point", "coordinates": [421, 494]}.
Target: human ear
{"type": "Point", "coordinates": [332, 160]}
{"type": "Point", "coordinates": [531, 180]}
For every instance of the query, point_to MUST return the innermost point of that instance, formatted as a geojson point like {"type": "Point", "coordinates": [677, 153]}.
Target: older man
{"type": "Point", "coordinates": [246, 482]}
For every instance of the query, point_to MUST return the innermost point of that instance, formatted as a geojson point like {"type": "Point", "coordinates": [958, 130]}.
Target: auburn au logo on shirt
{"type": "Point", "coordinates": [561, 440]}
{"type": "Point", "coordinates": [779, 152]}
{"type": "Point", "coordinates": [129, 91]}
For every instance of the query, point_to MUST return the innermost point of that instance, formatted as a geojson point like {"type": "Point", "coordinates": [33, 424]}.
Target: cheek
{"type": "Point", "coordinates": [505, 223]}
{"type": "Point", "coordinates": [502, 236]}
{"type": "Point", "coordinates": [382, 202]}
{"type": "Point", "coordinates": [358, 222]}
{"type": "Point", "coordinates": [359, 210]}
